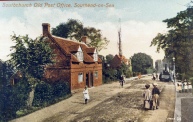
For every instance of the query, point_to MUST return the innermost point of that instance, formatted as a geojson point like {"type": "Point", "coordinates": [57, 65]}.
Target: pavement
{"type": "Point", "coordinates": [183, 107]}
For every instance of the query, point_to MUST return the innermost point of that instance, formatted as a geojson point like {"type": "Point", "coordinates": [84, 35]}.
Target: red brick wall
{"type": "Point", "coordinates": [85, 68]}
{"type": "Point", "coordinates": [53, 75]}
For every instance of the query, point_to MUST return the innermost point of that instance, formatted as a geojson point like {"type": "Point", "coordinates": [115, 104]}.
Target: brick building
{"type": "Point", "coordinates": [118, 60]}
{"type": "Point", "coordinates": [75, 62]}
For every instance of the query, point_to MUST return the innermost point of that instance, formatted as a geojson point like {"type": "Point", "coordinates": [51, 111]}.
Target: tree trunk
{"type": "Point", "coordinates": [31, 97]}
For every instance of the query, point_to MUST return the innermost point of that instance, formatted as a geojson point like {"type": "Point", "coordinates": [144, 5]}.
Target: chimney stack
{"type": "Point", "coordinates": [46, 29]}
{"type": "Point", "coordinates": [84, 39]}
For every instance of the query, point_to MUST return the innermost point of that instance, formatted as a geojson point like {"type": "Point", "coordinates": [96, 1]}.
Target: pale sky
{"type": "Point", "coordinates": [141, 20]}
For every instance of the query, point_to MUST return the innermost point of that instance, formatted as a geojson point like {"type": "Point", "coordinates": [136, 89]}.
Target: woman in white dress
{"type": "Point", "coordinates": [86, 94]}
{"type": "Point", "coordinates": [185, 86]}
{"type": "Point", "coordinates": [147, 97]}
{"type": "Point", "coordinates": [189, 86]}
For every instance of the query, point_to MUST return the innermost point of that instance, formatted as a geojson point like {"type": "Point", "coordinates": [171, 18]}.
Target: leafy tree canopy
{"type": "Point", "coordinates": [178, 41]}
{"type": "Point", "coordinates": [141, 62]}
{"type": "Point", "coordinates": [109, 57]}
{"type": "Point", "coordinates": [6, 71]}
{"type": "Point", "coordinates": [74, 30]}
{"type": "Point", "coordinates": [30, 56]}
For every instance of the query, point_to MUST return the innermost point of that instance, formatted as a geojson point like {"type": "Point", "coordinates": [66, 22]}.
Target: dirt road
{"type": "Point", "coordinates": [110, 103]}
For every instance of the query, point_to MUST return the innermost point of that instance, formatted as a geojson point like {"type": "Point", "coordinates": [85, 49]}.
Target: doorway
{"type": "Point", "coordinates": [91, 80]}
{"type": "Point", "coordinates": [87, 79]}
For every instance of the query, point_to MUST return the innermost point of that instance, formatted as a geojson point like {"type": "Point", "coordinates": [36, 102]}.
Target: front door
{"type": "Point", "coordinates": [87, 79]}
{"type": "Point", "coordinates": [91, 79]}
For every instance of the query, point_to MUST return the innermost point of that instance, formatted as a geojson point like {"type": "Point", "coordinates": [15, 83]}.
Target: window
{"type": "Point", "coordinates": [96, 74]}
{"type": "Point", "coordinates": [95, 57]}
{"type": "Point", "coordinates": [80, 77]}
{"type": "Point", "coordinates": [79, 54]}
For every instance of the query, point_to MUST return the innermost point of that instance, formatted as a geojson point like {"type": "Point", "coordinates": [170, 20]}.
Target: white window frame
{"type": "Point", "coordinates": [80, 77]}
{"type": "Point", "coordinates": [95, 56]}
{"type": "Point", "coordinates": [79, 54]}
{"type": "Point", "coordinates": [96, 74]}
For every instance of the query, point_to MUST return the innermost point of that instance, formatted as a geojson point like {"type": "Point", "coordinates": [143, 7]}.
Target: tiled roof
{"type": "Point", "coordinates": [74, 59]}
{"type": "Point", "coordinates": [71, 46]}
{"type": "Point", "coordinates": [117, 60]}
{"type": "Point", "coordinates": [90, 50]}
{"type": "Point", "coordinates": [87, 58]}
{"type": "Point", "coordinates": [122, 58]}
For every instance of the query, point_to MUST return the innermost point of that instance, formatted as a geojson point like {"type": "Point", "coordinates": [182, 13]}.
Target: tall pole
{"type": "Point", "coordinates": [120, 45]}
{"type": "Point", "coordinates": [174, 71]}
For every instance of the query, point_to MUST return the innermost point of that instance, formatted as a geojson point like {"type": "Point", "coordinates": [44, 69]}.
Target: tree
{"type": "Point", "coordinates": [178, 41]}
{"type": "Point", "coordinates": [30, 57]}
{"type": "Point", "coordinates": [74, 30]}
{"type": "Point", "coordinates": [124, 70]}
{"type": "Point", "coordinates": [6, 70]}
{"type": "Point", "coordinates": [109, 57]}
{"type": "Point", "coordinates": [71, 29]}
{"type": "Point", "coordinates": [141, 62]}
{"type": "Point", "coordinates": [14, 97]}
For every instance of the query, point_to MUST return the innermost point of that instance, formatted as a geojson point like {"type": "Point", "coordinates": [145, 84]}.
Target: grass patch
{"type": "Point", "coordinates": [32, 109]}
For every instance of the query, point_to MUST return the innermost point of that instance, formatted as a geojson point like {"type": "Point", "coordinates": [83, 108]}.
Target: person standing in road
{"type": "Point", "coordinates": [185, 87]}
{"type": "Point", "coordinates": [179, 88]}
{"type": "Point", "coordinates": [182, 86]}
{"type": "Point", "coordinates": [153, 77]}
{"type": "Point", "coordinates": [156, 76]}
{"type": "Point", "coordinates": [139, 76]}
{"type": "Point", "coordinates": [86, 94]}
{"type": "Point", "coordinates": [147, 97]}
{"type": "Point", "coordinates": [189, 86]}
{"type": "Point", "coordinates": [122, 80]}
{"type": "Point", "coordinates": [155, 96]}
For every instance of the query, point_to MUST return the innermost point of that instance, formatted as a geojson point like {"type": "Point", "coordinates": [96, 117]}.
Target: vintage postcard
{"type": "Point", "coordinates": [96, 60]}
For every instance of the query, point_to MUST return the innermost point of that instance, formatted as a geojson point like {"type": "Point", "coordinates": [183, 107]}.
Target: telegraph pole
{"type": "Point", "coordinates": [119, 43]}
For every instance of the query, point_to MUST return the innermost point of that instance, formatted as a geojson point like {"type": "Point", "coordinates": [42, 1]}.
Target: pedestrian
{"type": "Point", "coordinates": [182, 86]}
{"type": "Point", "coordinates": [160, 76]}
{"type": "Point", "coordinates": [139, 76]}
{"type": "Point", "coordinates": [122, 81]}
{"type": "Point", "coordinates": [86, 94]}
{"type": "Point", "coordinates": [185, 87]}
{"type": "Point", "coordinates": [155, 96]}
{"type": "Point", "coordinates": [156, 76]}
{"type": "Point", "coordinates": [147, 97]}
{"type": "Point", "coordinates": [153, 77]}
{"type": "Point", "coordinates": [179, 88]}
{"type": "Point", "coordinates": [189, 86]}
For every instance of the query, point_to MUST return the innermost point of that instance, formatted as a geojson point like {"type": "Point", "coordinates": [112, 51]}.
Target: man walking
{"type": "Point", "coordinates": [155, 95]}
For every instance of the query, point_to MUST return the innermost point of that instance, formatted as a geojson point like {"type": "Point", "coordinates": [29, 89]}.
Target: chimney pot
{"type": "Point", "coordinates": [46, 29]}
{"type": "Point", "coordinates": [84, 38]}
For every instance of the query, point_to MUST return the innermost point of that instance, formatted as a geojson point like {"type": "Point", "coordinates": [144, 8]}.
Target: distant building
{"type": "Point", "coordinates": [161, 65]}
{"type": "Point", "coordinates": [118, 60]}
{"type": "Point", "coordinates": [158, 66]}
{"type": "Point", "coordinates": [76, 63]}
